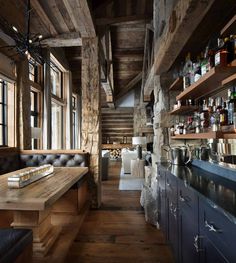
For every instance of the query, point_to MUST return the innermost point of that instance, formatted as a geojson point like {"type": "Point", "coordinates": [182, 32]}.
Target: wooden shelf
{"type": "Point", "coordinates": [207, 84]}
{"type": "Point", "coordinates": [229, 81]}
{"type": "Point", "coordinates": [205, 135]}
{"type": "Point", "coordinates": [183, 110]}
{"type": "Point", "coordinates": [177, 84]}
{"type": "Point", "coordinates": [229, 136]}
{"type": "Point", "coordinates": [230, 27]}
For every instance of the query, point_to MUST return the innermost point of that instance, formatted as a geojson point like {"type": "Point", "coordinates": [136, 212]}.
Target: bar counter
{"type": "Point", "coordinates": [218, 190]}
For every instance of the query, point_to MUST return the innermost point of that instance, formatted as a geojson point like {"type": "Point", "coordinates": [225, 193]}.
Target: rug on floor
{"type": "Point", "coordinates": [129, 182]}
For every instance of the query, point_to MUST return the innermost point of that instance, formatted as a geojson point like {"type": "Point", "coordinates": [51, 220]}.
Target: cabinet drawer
{"type": "Point", "coordinates": [218, 228]}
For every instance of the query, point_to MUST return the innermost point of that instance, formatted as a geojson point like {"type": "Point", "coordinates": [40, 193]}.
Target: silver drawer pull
{"type": "Point", "coordinates": [196, 244]}
{"type": "Point", "coordinates": [211, 227]}
{"type": "Point", "coordinates": [168, 184]}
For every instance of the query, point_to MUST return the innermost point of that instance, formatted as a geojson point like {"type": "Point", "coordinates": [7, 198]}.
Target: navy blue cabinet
{"type": "Point", "coordinates": [218, 229]}
{"type": "Point", "coordinates": [210, 254]}
{"type": "Point", "coordinates": [172, 213]}
{"type": "Point", "coordinates": [197, 229]}
{"type": "Point", "coordinates": [188, 224]}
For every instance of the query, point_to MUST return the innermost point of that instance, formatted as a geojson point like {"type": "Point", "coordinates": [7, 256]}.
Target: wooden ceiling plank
{"type": "Point", "coordinates": [58, 16]}
{"type": "Point", "coordinates": [103, 5]}
{"type": "Point", "coordinates": [122, 19]}
{"type": "Point", "coordinates": [43, 16]}
{"type": "Point", "coordinates": [81, 17]}
{"type": "Point", "coordinates": [71, 14]}
{"type": "Point", "coordinates": [63, 40]}
{"type": "Point", "coordinates": [130, 85]}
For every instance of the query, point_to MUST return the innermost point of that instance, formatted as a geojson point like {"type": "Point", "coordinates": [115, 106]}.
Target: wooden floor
{"type": "Point", "coordinates": [117, 232]}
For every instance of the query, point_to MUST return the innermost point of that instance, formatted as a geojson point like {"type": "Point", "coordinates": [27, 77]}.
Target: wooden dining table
{"type": "Point", "coordinates": [32, 205]}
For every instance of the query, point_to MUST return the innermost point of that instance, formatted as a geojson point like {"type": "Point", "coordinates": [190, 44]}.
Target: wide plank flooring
{"type": "Point", "coordinates": [117, 232]}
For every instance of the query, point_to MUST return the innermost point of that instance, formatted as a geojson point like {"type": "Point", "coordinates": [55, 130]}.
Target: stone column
{"type": "Point", "coordinates": [161, 119]}
{"type": "Point", "coordinates": [23, 105]}
{"type": "Point", "coordinates": [91, 113]}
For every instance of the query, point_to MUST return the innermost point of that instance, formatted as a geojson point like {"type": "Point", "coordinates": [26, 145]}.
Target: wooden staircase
{"type": "Point", "coordinates": [117, 125]}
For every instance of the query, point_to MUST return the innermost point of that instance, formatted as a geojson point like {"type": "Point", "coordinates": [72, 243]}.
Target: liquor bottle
{"type": "Point", "coordinates": [221, 54]}
{"type": "Point", "coordinates": [223, 115]}
{"type": "Point", "coordinates": [197, 68]}
{"type": "Point", "coordinates": [187, 72]}
{"type": "Point", "coordinates": [230, 108]}
{"type": "Point", "coordinates": [205, 64]}
{"type": "Point", "coordinates": [204, 116]}
{"type": "Point", "coordinates": [229, 47]}
{"type": "Point", "coordinates": [231, 105]}
{"type": "Point", "coordinates": [233, 40]}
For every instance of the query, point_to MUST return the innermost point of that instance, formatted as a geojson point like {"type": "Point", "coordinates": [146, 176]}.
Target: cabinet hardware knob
{"type": "Point", "coordinates": [211, 227]}
{"type": "Point", "coordinates": [196, 244]}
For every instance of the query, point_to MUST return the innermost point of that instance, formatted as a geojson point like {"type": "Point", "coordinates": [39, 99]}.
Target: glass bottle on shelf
{"type": "Point", "coordinates": [197, 68]}
{"type": "Point", "coordinates": [221, 53]}
{"type": "Point", "coordinates": [204, 116]}
{"type": "Point", "coordinates": [187, 72]}
{"type": "Point", "coordinates": [223, 115]}
{"type": "Point", "coordinates": [215, 117]}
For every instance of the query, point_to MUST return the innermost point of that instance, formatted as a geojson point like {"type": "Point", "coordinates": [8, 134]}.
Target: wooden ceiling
{"type": "Point", "coordinates": [64, 23]}
{"type": "Point", "coordinates": [126, 21]}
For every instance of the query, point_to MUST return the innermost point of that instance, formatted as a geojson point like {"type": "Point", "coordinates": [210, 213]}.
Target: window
{"type": "Point", "coordinates": [7, 113]}
{"type": "Point", "coordinates": [3, 113]}
{"type": "Point", "coordinates": [57, 104]}
{"type": "Point", "coordinates": [56, 81]}
{"type": "Point", "coordinates": [35, 116]}
{"type": "Point", "coordinates": [34, 71]}
{"type": "Point", "coordinates": [57, 129]}
{"type": "Point", "coordinates": [74, 123]}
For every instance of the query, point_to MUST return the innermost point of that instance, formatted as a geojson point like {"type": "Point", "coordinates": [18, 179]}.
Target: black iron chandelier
{"type": "Point", "coordinates": [25, 44]}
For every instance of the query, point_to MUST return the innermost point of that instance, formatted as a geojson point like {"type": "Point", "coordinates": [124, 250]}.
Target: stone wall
{"type": "Point", "coordinates": [140, 119]}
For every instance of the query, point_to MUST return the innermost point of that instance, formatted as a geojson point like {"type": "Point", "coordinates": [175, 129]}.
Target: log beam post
{"type": "Point", "coordinates": [23, 106]}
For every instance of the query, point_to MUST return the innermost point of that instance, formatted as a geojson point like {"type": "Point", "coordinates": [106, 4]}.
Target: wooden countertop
{"type": "Point", "coordinates": [42, 193]}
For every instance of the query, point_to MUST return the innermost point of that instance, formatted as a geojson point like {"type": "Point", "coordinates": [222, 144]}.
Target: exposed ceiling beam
{"type": "Point", "coordinates": [43, 17]}
{"type": "Point", "coordinates": [122, 19]}
{"type": "Point", "coordinates": [81, 17]}
{"type": "Point", "coordinates": [63, 40]}
{"type": "Point", "coordinates": [7, 39]}
{"type": "Point", "coordinates": [129, 86]}
{"type": "Point", "coordinates": [103, 5]}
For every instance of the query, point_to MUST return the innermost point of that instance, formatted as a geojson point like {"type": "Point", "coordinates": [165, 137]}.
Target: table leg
{"type": "Point", "coordinates": [44, 233]}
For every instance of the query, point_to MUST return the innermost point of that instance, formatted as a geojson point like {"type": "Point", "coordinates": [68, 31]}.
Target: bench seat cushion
{"type": "Point", "coordinates": [13, 242]}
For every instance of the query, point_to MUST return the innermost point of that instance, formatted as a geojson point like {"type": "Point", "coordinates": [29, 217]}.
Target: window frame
{"type": "Point", "coordinates": [74, 121]}
{"type": "Point", "coordinates": [58, 100]}
{"type": "Point", "coordinates": [4, 105]}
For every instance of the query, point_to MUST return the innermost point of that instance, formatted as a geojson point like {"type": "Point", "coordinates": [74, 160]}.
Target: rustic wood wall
{"type": "Point", "coordinates": [91, 121]}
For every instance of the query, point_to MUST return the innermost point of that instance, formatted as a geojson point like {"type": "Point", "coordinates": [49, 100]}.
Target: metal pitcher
{"type": "Point", "coordinates": [180, 155]}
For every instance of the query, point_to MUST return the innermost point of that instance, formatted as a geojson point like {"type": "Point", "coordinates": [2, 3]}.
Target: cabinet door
{"type": "Point", "coordinates": [210, 254]}
{"type": "Point", "coordinates": [218, 227]}
{"type": "Point", "coordinates": [188, 224]}
{"type": "Point", "coordinates": [172, 207]}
